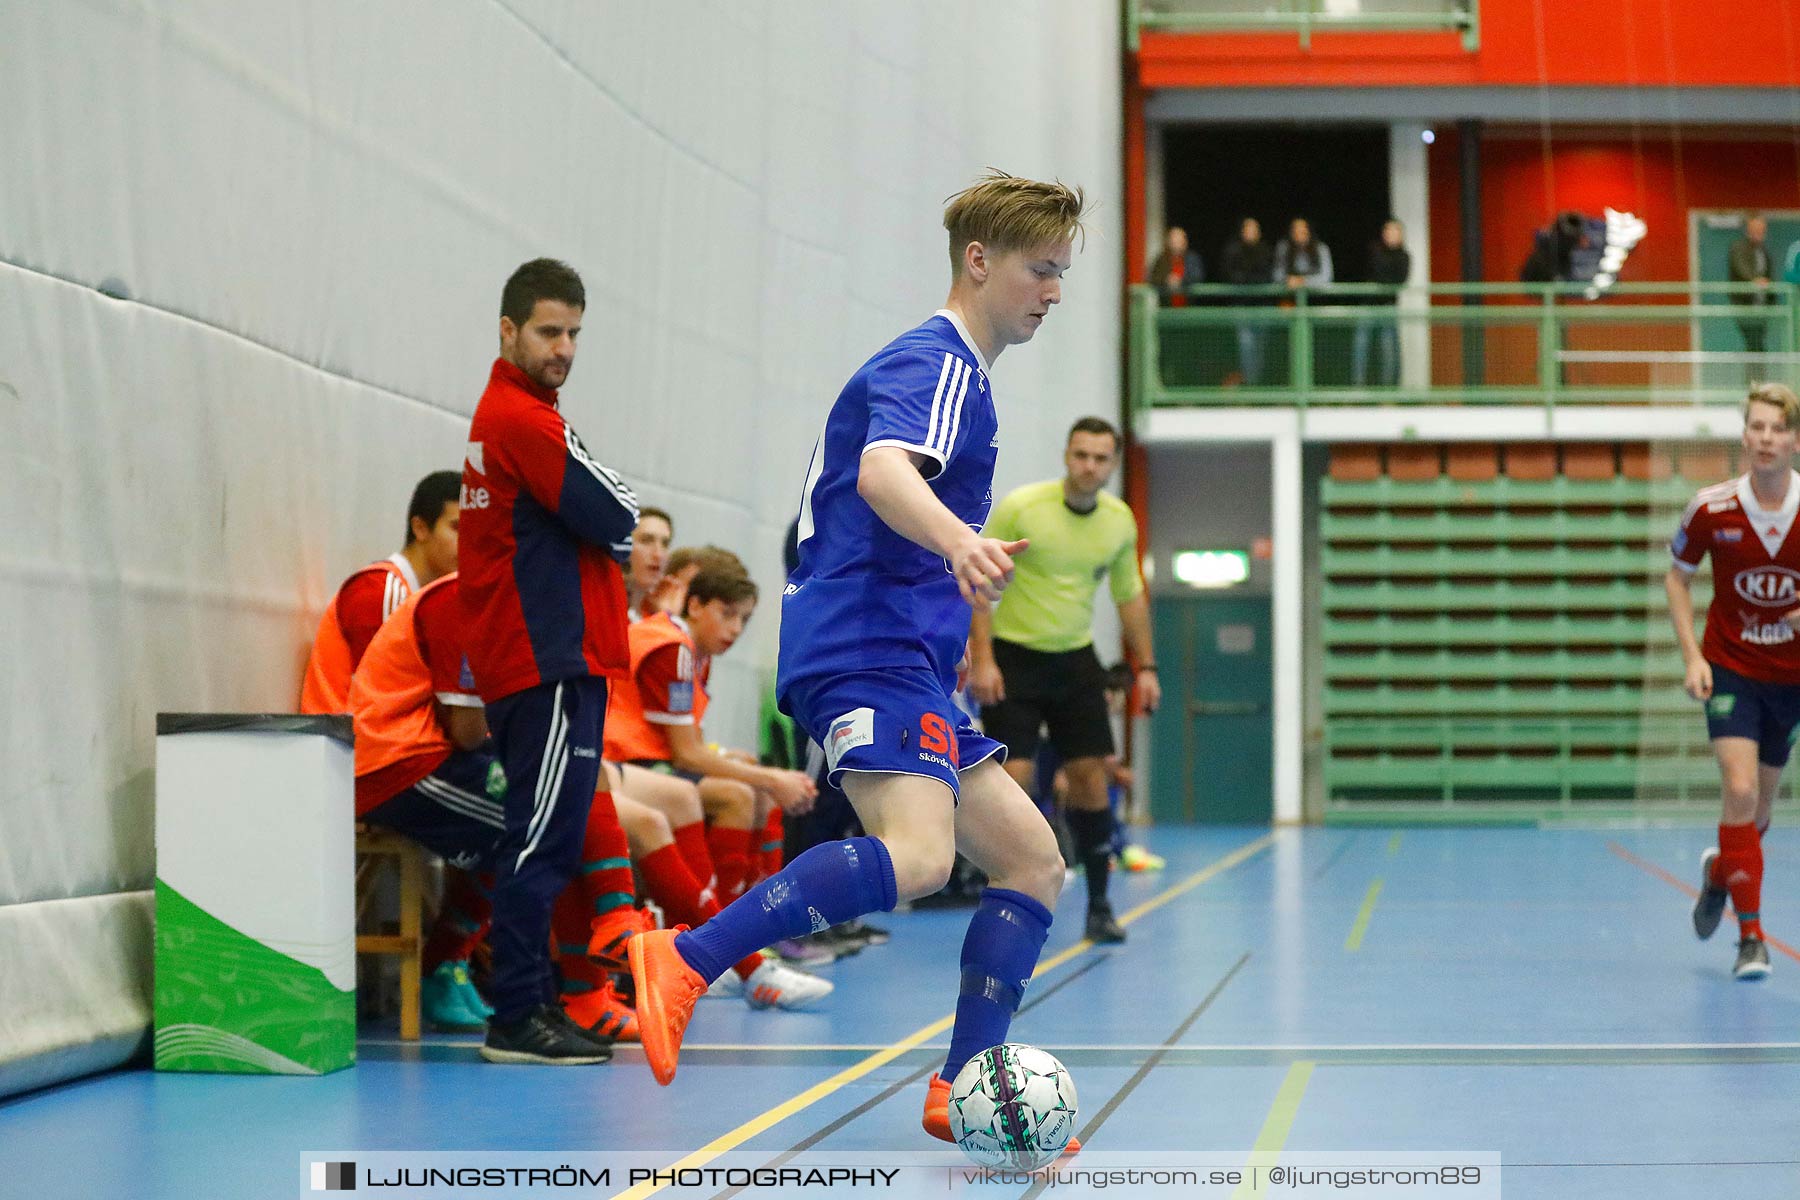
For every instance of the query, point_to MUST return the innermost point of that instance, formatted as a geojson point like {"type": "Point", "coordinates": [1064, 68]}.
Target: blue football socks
{"type": "Point", "coordinates": [999, 953]}
{"type": "Point", "coordinates": [820, 888]}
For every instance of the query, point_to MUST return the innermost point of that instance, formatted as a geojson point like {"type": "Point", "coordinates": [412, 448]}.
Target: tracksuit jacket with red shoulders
{"type": "Point", "coordinates": [544, 528]}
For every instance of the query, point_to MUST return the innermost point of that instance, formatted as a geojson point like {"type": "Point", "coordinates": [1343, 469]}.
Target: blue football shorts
{"type": "Point", "coordinates": [897, 720]}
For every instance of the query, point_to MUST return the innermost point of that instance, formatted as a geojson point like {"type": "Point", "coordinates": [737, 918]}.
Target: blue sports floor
{"type": "Point", "coordinates": [1532, 992]}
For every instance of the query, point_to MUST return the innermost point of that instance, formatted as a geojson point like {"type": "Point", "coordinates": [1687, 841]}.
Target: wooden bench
{"type": "Point", "coordinates": [374, 848]}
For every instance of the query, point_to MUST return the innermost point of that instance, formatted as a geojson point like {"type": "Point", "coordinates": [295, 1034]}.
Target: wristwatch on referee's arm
{"type": "Point", "coordinates": [1149, 696]}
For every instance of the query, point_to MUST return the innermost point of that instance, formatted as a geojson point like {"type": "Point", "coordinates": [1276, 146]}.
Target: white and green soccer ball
{"type": "Point", "coordinates": [1012, 1106]}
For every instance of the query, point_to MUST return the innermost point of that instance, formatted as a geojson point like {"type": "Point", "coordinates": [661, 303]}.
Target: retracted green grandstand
{"type": "Point", "coordinates": [1488, 642]}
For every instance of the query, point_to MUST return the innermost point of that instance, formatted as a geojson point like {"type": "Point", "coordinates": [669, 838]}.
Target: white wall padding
{"type": "Point", "coordinates": [79, 1000]}
{"type": "Point", "coordinates": [308, 211]}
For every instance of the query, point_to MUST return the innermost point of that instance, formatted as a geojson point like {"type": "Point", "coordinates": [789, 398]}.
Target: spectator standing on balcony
{"type": "Point", "coordinates": [1748, 262]}
{"type": "Point", "coordinates": [1247, 262]}
{"type": "Point", "coordinates": [1173, 271]}
{"type": "Point", "coordinates": [1301, 260]}
{"type": "Point", "coordinates": [1390, 264]}
{"type": "Point", "coordinates": [1176, 269]}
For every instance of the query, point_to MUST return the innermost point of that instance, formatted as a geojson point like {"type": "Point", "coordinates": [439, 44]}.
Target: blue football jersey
{"type": "Point", "coordinates": [863, 597]}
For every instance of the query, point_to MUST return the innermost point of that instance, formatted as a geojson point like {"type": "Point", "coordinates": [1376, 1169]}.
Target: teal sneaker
{"type": "Point", "coordinates": [441, 1003]}
{"type": "Point", "coordinates": [471, 995]}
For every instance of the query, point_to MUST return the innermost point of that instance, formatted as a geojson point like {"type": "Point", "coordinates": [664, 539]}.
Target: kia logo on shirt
{"type": "Point", "coordinates": [1772, 587]}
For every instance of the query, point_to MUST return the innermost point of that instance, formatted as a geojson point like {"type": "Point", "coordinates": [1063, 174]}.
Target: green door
{"type": "Point", "coordinates": [1214, 734]}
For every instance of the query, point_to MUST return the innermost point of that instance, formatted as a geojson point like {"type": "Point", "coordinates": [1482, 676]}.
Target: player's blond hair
{"type": "Point", "coordinates": [1781, 396]}
{"type": "Point", "coordinates": [1004, 212]}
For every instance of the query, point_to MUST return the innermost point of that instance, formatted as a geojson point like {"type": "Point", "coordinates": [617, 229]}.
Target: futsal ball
{"type": "Point", "coordinates": [1012, 1106]}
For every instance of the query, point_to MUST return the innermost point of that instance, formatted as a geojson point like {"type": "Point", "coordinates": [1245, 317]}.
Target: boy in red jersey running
{"type": "Point", "coordinates": [1747, 668]}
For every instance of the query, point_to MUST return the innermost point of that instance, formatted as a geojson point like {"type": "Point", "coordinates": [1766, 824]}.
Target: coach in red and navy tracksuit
{"type": "Point", "coordinates": [544, 528]}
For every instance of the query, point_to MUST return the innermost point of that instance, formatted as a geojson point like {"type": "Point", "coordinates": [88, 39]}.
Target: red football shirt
{"type": "Point", "coordinates": [1756, 577]}
{"type": "Point", "coordinates": [370, 597]}
{"type": "Point", "coordinates": [364, 601]}
{"type": "Point", "coordinates": [544, 528]}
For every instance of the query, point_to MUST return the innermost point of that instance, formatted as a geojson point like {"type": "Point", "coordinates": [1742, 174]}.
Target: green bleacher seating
{"type": "Point", "coordinates": [1505, 639]}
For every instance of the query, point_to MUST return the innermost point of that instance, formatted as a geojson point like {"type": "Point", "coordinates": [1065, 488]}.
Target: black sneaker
{"type": "Point", "coordinates": [838, 944]}
{"type": "Point", "coordinates": [561, 1014]}
{"type": "Point", "coordinates": [850, 937]}
{"type": "Point", "coordinates": [1710, 905]}
{"type": "Point", "coordinates": [870, 935]}
{"type": "Point", "coordinates": [543, 1035]}
{"type": "Point", "coordinates": [1102, 927]}
{"type": "Point", "coordinates": [1752, 960]}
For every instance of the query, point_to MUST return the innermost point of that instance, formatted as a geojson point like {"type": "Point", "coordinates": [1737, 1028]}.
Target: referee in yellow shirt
{"type": "Point", "coordinates": [1031, 658]}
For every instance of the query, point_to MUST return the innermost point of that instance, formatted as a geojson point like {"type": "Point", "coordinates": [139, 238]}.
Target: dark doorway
{"type": "Point", "coordinates": [1335, 176]}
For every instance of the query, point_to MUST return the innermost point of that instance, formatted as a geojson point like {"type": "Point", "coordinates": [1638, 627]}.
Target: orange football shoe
{"type": "Point", "coordinates": [937, 1109]}
{"type": "Point", "coordinates": [603, 1012]}
{"type": "Point", "coordinates": [611, 931]}
{"type": "Point", "coordinates": [937, 1116]}
{"type": "Point", "coordinates": [667, 989]}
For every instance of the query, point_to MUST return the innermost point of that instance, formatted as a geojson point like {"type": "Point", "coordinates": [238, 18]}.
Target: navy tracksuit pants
{"type": "Point", "coordinates": [548, 740]}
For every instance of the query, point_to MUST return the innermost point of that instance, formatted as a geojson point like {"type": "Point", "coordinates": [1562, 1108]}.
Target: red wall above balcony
{"type": "Point", "coordinates": [1699, 43]}
{"type": "Point", "coordinates": [1526, 181]}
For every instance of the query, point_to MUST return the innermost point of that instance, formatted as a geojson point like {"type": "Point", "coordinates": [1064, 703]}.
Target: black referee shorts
{"type": "Point", "coordinates": [1062, 691]}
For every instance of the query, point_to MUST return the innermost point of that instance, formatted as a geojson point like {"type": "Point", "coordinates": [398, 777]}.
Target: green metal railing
{"type": "Point", "coordinates": [1471, 343]}
{"type": "Point", "coordinates": [1303, 17]}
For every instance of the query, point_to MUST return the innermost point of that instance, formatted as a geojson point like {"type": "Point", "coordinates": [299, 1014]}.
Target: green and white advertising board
{"type": "Point", "coordinates": [255, 894]}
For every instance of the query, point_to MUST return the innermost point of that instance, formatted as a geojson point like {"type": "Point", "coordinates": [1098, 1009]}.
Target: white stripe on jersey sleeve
{"type": "Point", "coordinates": [608, 478]}
{"type": "Point", "coordinates": [921, 451]}
{"type": "Point", "coordinates": [937, 397]}
{"type": "Point", "coordinates": [953, 424]}
{"type": "Point", "coordinates": [814, 470]}
{"type": "Point", "coordinates": [946, 417]}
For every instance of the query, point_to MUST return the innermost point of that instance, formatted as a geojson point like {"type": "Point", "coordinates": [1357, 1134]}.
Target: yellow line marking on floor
{"type": "Point", "coordinates": [1187, 885]}
{"type": "Point", "coordinates": [1278, 1124]}
{"type": "Point", "coordinates": [1354, 942]}
{"type": "Point", "coordinates": [727, 1142]}
{"type": "Point", "coordinates": [1394, 844]}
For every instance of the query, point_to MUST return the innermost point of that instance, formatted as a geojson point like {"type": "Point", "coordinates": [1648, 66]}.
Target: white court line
{"type": "Point", "coordinates": [1308, 1047]}
{"type": "Point", "coordinates": [772, 1047]}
